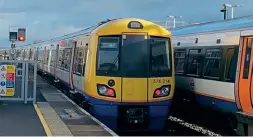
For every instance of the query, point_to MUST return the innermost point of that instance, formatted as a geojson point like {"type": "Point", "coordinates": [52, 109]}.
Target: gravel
{"type": "Point", "coordinates": [193, 126]}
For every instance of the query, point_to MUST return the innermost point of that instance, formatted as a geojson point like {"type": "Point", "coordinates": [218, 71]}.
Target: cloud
{"type": "Point", "coordinates": [63, 30]}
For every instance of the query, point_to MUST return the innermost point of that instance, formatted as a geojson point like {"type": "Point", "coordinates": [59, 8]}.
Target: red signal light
{"type": "Point", "coordinates": [21, 38]}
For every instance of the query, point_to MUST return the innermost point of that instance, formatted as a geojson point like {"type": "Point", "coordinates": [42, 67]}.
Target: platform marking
{"type": "Point", "coordinates": [93, 118]}
{"type": "Point", "coordinates": [42, 120]}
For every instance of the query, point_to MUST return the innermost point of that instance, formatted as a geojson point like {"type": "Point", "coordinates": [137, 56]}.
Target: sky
{"type": "Point", "coordinates": [45, 19]}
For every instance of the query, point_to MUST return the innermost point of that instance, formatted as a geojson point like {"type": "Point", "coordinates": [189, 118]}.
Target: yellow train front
{"type": "Point", "coordinates": [129, 74]}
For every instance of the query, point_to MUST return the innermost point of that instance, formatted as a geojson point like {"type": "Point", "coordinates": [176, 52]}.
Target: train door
{"type": "Point", "coordinates": [134, 67]}
{"type": "Point", "coordinates": [245, 87]}
{"type": "Point", "coordinates": [72, 65]}
{"type": "Point", "coordinates": [49, 58]}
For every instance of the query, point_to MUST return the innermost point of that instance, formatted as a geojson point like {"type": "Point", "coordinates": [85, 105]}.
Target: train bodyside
{"type": "Point", "coordinates": [116, 88]}
{"type": "Point", "coordinates": [213, 64]}
{"type": "Point", "coordinates": [205, 68]}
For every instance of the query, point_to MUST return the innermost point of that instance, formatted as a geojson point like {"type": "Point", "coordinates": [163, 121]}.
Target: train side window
{"type": "Point", "coordinates": [24, 54]}
{"type": "Point", "coordinates": [247, 59]}
{"type": "Point", "coordinates": [40, 55]}
{"type": "Point", "coordinates": [212, 63]}
{"type": "Point", "coordinates": [194, 62]}
{"type": "Point", "coordinates": [228, 65]}
{"type": "Point", "coordinates": [180, 61]}
{"type": "Point", "coordinates": [79, 59]}
{"type": "Point", "coordinates": [53, 55]}
{"type": "Point", "coordinates": [30, 54]}
{"type": "Point", "coordinates": [60, 62]}
{"type": "Point", "coordinates": [66, 58]}
{"type": "Point", "coordinates": [47, 56]}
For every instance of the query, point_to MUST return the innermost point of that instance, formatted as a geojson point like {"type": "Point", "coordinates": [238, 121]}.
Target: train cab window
{"type": "Point", "coordinates": [180, 60]}
{"type": "Point", "coordinates": [194, 62]}
{"type": "Point", "coordinates": [212, 65]}
{"type": "Point", "coordinates": [160, 57]}
{"type": "Point", "coordinates": [247, 58]}
{"type": "Point", "coordinates": [108, 52]}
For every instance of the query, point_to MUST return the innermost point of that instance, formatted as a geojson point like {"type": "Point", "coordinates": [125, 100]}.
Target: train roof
{"type": "Point", "coordinates": [87, 31]}
{"type": "Point", "coordinates": [236, 23]}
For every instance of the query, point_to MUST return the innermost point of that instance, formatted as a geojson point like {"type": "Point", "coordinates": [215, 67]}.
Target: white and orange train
{"type": "Point", "coordinates": [214, 65]}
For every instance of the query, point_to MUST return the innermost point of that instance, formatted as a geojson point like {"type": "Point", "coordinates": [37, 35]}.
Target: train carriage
{"type": "Point", "coordinates": [122, 71]}
{"type": "Point", "coordinates": [213, 65]}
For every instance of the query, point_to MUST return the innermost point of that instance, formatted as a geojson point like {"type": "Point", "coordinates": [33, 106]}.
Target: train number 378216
{"type": "Point", "coordinates": [161, 81]}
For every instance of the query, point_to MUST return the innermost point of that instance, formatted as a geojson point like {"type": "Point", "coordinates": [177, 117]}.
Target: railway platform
{"type": "Point", "coordinates": [42, 110]}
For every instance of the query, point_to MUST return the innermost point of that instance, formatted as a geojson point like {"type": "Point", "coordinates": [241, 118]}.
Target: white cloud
{"type": "Point", "coordinates": [36, 22]}
{"type": "Point", "coordinates": [10, 19]}
{"type": "Point", "coordinates": [63, 30]}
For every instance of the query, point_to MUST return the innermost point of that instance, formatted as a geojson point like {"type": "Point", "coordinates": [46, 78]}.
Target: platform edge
{"type": "Point", "coordinates": [93, 118]}
{"type": "Point", "coordinates": [42, 120]}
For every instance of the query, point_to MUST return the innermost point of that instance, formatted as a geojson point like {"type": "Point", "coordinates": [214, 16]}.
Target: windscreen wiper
{"type": "Point", "coordinates": [113, 64]}
{"type": "Point", "coordinates": [159, 70]}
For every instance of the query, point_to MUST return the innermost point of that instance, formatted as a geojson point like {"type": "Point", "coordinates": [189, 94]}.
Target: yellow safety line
{"type": "Point", "coordinates": [42, 120]}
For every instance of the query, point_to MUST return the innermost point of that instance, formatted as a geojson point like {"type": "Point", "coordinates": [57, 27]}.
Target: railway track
{"type": "Point", "coordinates": [208, 120]}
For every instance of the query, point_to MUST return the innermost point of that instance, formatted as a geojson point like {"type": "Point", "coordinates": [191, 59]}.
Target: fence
{"type": "Point", "coordinates": [18, 80]}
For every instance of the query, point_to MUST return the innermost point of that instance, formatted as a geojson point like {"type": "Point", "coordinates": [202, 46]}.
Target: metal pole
{"type": "Point", "coordinates": [174, 22]}
{"type": "Point", "coordinates": [232, 12]}
{"type": "Point", "coordinates": [225, 12]}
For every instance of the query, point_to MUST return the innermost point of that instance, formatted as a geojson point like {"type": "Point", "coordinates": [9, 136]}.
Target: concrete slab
{"type": "Point", "coordinates": [19, 119]}
{"type": "Point", "coordinates": [78, 121]}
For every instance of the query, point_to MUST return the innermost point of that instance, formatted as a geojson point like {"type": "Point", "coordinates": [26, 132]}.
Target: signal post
{"type": "Point", "coordinates": [16, 34]}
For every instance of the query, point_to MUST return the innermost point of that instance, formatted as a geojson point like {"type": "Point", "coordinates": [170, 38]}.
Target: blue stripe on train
{"type": "Point", "coordinates": [108, 111]}
{"type": "Point", "coordinates": [223, 105]}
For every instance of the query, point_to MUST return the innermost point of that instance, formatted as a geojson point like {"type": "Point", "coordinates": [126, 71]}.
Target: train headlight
{"type": "Point", "coordinates": [104, 90]}
{"type": "Point", "coordinates": [162, 91]}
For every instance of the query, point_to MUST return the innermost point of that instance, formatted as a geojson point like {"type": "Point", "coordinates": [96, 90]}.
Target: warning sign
{"type": "Point", "coordinates": [9, 92]}
{"type": "Point", "coordinates": [2, 91]}
{"type": "Point", "coordinates": [10, 76]}
{"type": "Point", "coordinates": [7, 80]}
{"type": "Point", "coordinates": [3, 68]}
{"type": "Point", "coordinates": [2, 76]}
{"type": "Point", "coordinates": [10, 69]}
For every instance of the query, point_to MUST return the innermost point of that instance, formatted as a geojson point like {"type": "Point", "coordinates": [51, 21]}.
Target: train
{"type": "Point", "coordinates": [213, 66]}
{"type": "Point", "coordinates": [120, 70]}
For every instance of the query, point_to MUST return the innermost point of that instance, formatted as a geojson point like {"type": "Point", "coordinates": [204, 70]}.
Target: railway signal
{"type": "Point", "coordinates": [13, 34]}
{"type": "Point", "coordinates": [21, 34]}
{"type": "Point", "coordinates": [17, 34]}
{"type": "Point", "coordinates": [224, 10]}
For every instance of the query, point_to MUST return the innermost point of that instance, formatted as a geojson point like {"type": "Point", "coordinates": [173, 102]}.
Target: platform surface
{"type": "Point", "coordinates": [72, 119]}
{"type": "Point", "coordinates": [54, 114]}
{"type": "Point", "coordinates": [18, 119]}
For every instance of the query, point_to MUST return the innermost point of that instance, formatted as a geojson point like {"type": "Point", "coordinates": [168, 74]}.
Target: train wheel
{"type": "Point", "coordinates": [232, 121]}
